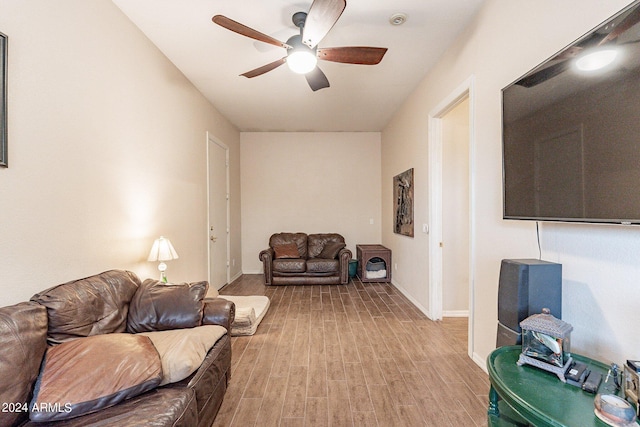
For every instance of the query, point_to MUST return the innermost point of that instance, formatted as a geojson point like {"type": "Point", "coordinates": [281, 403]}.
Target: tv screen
{"type": "Point", "coordinates": [571, 130]}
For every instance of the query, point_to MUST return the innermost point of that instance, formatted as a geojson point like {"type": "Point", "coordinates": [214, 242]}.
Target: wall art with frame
{"type": "Point", "coordinates": [403, 203]}
{"type": "Point", "coordinates": [3, 101]}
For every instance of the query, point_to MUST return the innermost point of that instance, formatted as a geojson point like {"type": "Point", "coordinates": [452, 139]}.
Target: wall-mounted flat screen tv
{"type": "Point", "coordinates": [571, 130]}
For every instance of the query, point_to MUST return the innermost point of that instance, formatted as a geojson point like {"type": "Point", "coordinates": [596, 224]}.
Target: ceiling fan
{"type": "Point", "coordinates": [302, 49]}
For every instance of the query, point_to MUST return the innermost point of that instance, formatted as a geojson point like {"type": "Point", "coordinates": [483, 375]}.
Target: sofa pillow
{"type": "Point", "coordinates": [87, 374]}
{"type": "Point", "coordinates": [318, 241]}
{"type": "Point", "coordinates": [299, 239]}
{"type": "Point", "coordinates": [158, 306]}
{"type": "Point", "coordinates": [287, 250]}
{"type": "Point", "coordinates": [182, 351]}
{"type": "Point", "coordinates": [331, 250]}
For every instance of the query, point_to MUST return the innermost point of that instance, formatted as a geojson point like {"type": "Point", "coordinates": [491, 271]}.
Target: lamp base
{"type": "Point", "coordinates": [163, 268]}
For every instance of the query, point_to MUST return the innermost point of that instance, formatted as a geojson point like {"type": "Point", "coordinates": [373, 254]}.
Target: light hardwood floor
{"type": "Point", "coordinates": [352, 355]}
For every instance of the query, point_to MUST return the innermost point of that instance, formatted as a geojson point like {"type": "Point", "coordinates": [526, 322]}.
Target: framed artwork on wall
{"type": "Point", "coordinates": [3, 100]}
{"type": "Point", "coordinates": [403, 203]}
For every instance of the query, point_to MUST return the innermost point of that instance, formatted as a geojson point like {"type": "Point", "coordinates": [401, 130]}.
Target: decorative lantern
{"type": "Point", "coordinates": [545, 343]}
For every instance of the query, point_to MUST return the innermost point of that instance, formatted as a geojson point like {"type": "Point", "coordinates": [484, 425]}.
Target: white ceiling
{"type": "Point", "coordinates": [361, 97]}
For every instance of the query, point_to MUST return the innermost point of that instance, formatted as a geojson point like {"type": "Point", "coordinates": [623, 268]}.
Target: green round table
{"type": "Point", "coordinates": [526, 395]}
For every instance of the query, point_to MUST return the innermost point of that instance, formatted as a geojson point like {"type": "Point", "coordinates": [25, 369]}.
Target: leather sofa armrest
{"type": "Point", "coordinates": [344, 256]}
{"type": "Point", "coordinates": [218, 311]}
{"type": "Point", "coordinates": [266, 256]}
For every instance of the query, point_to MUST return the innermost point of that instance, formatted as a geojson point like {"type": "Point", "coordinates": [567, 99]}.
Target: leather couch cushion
{"type": "Point", "coordinates": [90, 306]}
{"type": "Point", "coordinates": [183, 350]}
{"type": "Point", "coordinates": [164, 406]}
{"type": "Point", "coordinates": [300, 239]}
{"type": "Point", "coordinates": [158, 306]}
{"type": "Point", "coordinates": [218, 311]}
{"type": "Point", "coordinates": [317, 242]}
{"type": "Point", "coordinates": [23, 341]}
{"type": "Point", "coordinates": [287, 250]}
{"type": "Point", "coordinates": [331, 250]}
{"type": "Point", "coordinates": [288, 265]}
{"type": "Point", "coordinates": [210, 381]}
{"type": "Point", "coordinates": [88, 374]}
{"type": "Point", "coordinates": [321, 265]}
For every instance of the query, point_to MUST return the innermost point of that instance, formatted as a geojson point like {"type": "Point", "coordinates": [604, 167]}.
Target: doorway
{"type": "Point", "coordinates": [218, 212]}
{"type": "Point", "coordinates": [451, 240]}
{"type": "Point", "coordinates": [455, 211]}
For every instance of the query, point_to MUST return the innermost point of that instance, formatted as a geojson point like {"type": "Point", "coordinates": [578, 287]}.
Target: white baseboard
{"type": "Point", "coordinates": [412, 299]}
{"type": "Point", "coordinates": [455, 313]}
{"type": "Point", "coordinates": [236, 277]}
{"type": "Point", "coordinates": [480, 362]}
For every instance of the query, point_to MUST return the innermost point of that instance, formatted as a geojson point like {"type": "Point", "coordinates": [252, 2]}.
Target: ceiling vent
{"type": "Point", "coordinates": [398, 19]}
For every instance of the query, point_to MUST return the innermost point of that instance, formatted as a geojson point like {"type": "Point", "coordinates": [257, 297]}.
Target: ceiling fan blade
{"type": "Point", "coordinates": [265, 68]}
{"type": "Point", "coordinates": [632, 19]}
{"type": "Point", "coordinates": [353, 54]}
{"type": "Point", "coordinates": [321, 17]}
{"type": "Point", "coordinates": [316, 79]}
{"type": "Point", "coordinates": [242, 29]}
{"type": "Point", "coordinates": [544, 74]}
{"type": "Point", "coordinates": [594, 40]}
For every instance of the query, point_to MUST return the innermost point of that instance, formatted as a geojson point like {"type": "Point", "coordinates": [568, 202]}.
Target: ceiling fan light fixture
{"type": "Point", "coordinates": [596, 60]}
{"type": "Point", "coordinates": [301, 61]}
{"type": "Point", "coordinates": [301, 58]}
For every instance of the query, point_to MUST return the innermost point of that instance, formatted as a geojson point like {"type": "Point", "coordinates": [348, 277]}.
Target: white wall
{"type": "Point", "coordinates": [309, 182]}
{"type": "Point", "coordinates": [455, 208]}
{"type": "Point", "coordinates": [107, 143]}
{"type": "Point", "coordinates": [600, 269]}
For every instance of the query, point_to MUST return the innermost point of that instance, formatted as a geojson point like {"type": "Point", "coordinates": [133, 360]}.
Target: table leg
{"type": "Point", "coordinates": [493, 402]}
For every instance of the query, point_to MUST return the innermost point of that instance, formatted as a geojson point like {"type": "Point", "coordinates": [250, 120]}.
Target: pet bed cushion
{"type": "Point", "coordinates": [248, 307]}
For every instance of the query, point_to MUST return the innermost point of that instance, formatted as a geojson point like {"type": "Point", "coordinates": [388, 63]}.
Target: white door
{"type": "Point", "coordinates": [218, 213]}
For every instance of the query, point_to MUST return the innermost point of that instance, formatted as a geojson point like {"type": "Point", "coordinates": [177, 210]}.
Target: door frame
{"type": "Point", "coordinates": [466, 90]}
{"type": "Point", "coordinates": [213, 140]}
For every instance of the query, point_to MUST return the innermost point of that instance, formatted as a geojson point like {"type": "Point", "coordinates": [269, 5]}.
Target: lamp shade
{"type": "Point", "coordinates": [162, 250]}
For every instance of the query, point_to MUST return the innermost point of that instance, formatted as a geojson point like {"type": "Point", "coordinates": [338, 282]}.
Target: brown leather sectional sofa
{"type": "Point", "coordinates": [301, 259]}
{"type": "Point", "coordinates": [78, 335]}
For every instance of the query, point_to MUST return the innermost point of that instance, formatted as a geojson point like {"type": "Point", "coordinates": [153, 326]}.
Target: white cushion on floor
{"type": "Point", "coordinates": [245, 316]}
{"type": "Point", "coordinates": [247, 307]}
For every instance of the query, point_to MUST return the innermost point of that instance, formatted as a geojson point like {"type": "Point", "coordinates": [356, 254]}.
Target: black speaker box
{"type": "Point", "coordinates": [525, 287]}
{"type": "Point", "coordinates": [507, 336]}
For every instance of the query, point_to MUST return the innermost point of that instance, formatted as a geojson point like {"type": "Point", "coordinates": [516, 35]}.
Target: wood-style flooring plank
{"type": "Point", "coordinates": [355, 355]}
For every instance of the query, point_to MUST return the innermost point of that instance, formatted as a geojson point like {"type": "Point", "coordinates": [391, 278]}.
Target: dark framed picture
{"type": "Point", "coordinates": [403, 203]}
{"type": "Point", "coordinates": [3, 101]}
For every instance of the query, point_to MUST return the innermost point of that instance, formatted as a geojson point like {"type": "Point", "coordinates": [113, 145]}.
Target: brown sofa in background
{"type": "Point", "coordinates": [301, 259]}
{"type": "Point", "coordinates": [79, 337]}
